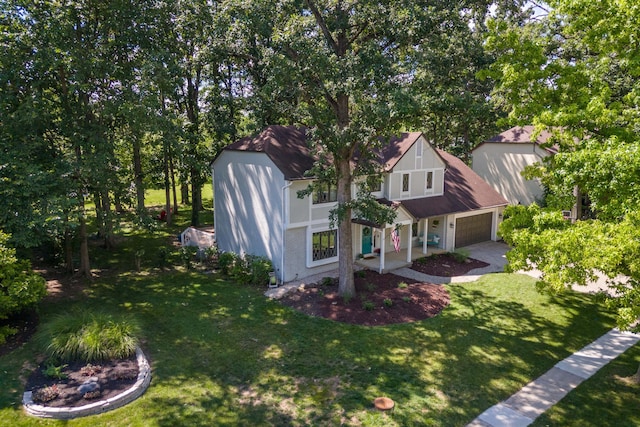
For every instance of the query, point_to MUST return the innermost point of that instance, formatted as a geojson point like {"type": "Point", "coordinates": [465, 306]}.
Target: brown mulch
{"type": "Point", "coordinates": [113, 376]}
{"type": "Point", "coordinates": [379, 300]}
{"type": "Point", "coordinates": [445, 265]}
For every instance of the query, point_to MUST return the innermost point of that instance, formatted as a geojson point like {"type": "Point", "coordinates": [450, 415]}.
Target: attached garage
{"type": "Point", "coordinates": [473, 229]}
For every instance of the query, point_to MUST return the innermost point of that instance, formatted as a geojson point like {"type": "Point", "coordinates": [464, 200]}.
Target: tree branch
{"type": "Point", "coordinates": [323, 26]}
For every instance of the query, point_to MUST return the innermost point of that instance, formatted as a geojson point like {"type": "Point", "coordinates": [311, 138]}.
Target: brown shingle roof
{"type": "Point", "coordinates": [524, 135]}
{"type": "Point", "coordinates": [286, 146]}
{"type": "Point", "coordinates": [464, 191]}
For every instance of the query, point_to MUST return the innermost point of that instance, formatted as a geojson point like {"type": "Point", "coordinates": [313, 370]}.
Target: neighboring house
{"type": "Point", "coordinates": [501, 160]}
{"type": "Point", "coordinates": [440, 203]}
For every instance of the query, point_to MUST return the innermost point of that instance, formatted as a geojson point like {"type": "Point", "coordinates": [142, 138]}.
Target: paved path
{"type": "Point", "coordinates": [525, 406]}
{"type": "Point", "coordinates": [535, 398]}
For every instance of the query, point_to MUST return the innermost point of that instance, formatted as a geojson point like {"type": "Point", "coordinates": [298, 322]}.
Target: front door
{"type": "Point", "coordinates": [366, 240]}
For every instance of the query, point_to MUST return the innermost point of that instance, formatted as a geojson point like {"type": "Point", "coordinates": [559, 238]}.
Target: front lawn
{"type": "Point", "coordinates": [224, 355]}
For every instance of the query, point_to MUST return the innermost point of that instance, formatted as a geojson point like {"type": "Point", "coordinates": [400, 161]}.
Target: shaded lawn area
{"type": "Point", "coordinates": [224, 355]}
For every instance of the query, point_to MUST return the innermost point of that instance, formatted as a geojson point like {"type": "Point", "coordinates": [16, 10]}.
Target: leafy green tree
{"type": "Point", "coordinates": [20, 287]}
{"type": "Point", "coordinates": [352, 70]}
{"type": "Point", "coordinates": [573, 71]}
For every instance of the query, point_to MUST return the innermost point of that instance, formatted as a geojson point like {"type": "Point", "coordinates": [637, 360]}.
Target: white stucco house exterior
{"type": "Point", "coordinates": [440, 203]}
{"type": "Point", "coordinates": [500, 161]}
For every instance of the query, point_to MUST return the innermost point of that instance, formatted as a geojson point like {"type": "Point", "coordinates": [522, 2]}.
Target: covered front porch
{"type": "Point", "coordinates": [394, 260]}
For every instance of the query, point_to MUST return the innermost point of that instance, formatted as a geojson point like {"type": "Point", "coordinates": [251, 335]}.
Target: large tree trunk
{"type": "Point", "coordinates": [107, 217]}
{"type": "Point", "coordinates": [346, 284]}
{"type": "Point", "coordinates": [172, 175]}
{"type": "Point", "coordinates": [196, 198]}
{"type": "Point", "coordinates": [184, 192]}
{"type": "Point", "coordinates": [167, 182]}
{"type": "Point", "coordinates": [85, 267]}
{"type": "Point", "coordinates": [138, 175]}
{"type": "Point", "coordinates": [68, 245]}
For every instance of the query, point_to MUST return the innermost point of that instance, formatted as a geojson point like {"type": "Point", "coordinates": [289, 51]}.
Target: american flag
{"type": "Point", "coordinates": [395, 236]}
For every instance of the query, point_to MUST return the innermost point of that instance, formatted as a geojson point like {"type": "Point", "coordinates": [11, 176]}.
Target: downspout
{"type": "Point", "coordinates": [213, 195]}
{"type": "Point", "coordinates": [284, 221]}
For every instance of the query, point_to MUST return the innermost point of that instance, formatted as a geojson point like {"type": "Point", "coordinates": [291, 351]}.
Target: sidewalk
{"type": "Point", "coordinates": [525, 406]}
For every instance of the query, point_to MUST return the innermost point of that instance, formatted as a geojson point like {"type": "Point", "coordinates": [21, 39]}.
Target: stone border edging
{"type": "Point", "coordinates": [67, 413]}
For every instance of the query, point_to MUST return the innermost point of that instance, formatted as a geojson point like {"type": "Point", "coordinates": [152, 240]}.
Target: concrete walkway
{"type": "Point", "coordinates": [535, 398]}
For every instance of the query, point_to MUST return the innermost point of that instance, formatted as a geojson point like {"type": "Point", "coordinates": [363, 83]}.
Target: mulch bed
{"type": "Point", "coordinates": [114, 377]}
{"type": "Point", "coordinates": [446, 265]}
{"type": "Point", "coordinates": [379, 300]}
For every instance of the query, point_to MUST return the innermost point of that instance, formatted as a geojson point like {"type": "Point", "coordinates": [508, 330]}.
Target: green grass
{"type": "Point", "coordinates": [602, 400]}
{"type": "Point", "coordinates": [156, 197]}
{"type": "Point", "coordinates": [224, 355]}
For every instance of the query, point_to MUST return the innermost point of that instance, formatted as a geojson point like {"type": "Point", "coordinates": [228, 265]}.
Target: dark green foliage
{"type": "Point", "coordinates": [460, 255]}
{"type": "Point", "coordinates": [20, 287]}
{"type": "Point", "coordinates": [187, 255]}
{"type": "Point", "coordinates": [226, 260]}
{"type": "Point", "coordinates": [89, 336]}
{"type": "Point", "coordinates": [368, 305]}
{"type": "Point", "coordinates": [247, 269]}
{"type": "Point", "coordinates": [54, 370]}
{"type": "Point", "coordinates": [163, 257]}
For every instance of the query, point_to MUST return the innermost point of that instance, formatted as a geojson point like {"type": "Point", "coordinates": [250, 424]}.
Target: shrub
{"type": "Point", "coordinates": [388, 302]}
{"type": "Point", "coordinates": [20, 287]}
{"type": "Point", "coordinates": [187, 254]}
{"type": "Point", "coordinates": [247, 269]}
{"type": "Point", "coordinates": [402, 285]}
{"type": "Point", "coordinates": [460, 255]}
{"type": "Point", "coordinates": [226, 260]}
{"type": "Point", "coordinates": [55, 371]}
{"type": "Point", "coordinates": [89, 337]}
{"type": "Point", "coordinates": [251, 270]}
{"type": "Point", "coordinates": [327, 281]}
{"type": "Point", "coordinates": [260, 268]}
{"type": "Point", "coordinates": [368, 305]}
{"type": "Point", "coordinates": [163, 257]}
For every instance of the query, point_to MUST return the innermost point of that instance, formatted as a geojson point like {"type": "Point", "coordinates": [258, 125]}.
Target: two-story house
{"type": "Point", "coordinates": [440, 202]}
{"type": "Point", "coordinates": [500, 161]}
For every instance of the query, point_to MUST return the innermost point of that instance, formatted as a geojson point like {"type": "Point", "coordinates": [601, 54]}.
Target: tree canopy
{"type": "Point", "coordinates": [574, 71]}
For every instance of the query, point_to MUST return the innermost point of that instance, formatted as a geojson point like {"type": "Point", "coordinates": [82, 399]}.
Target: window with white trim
{"type": "Point", "coordinates": [419, 149]}
{"type": "Point", "coordinates": [405, 182]}
{"type": "Point", "coordinates": [325, 193]}
{"type": "Point", "coordinates": [429, 183]}
{"type": "Point", "coordinates": [324, 245]}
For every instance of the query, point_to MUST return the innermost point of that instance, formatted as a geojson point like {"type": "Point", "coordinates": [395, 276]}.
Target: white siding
{"type": "Point", "coordinates": [501, 166]}
{"type": "Point", "coordinates": [298, 208]}
{"type": "Point", "coordinates": [296, 257]}
{"type": "Point", "coordinates": [417, 168]}
{"type": "Point", "coordinates": [248, 202]}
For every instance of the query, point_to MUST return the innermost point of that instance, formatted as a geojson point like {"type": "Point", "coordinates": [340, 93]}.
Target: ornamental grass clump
{"type": "Point", "coordinates": [90, 337]}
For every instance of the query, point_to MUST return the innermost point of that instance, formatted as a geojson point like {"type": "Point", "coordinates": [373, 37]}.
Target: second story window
{"type": "Point", "coordinates": [429, 183]}
{"type": "Point", "coordinates": [405, 182]}
{"type": "Point", "coordinates": [374, 183]}
{"type": "Point", "coordinates": [325, 193]}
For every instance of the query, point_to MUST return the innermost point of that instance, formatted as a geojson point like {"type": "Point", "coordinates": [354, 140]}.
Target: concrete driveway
{"type": "Point", "coordinates": [494, 253]}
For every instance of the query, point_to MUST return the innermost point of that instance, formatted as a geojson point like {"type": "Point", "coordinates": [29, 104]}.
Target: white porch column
{"type": "Point", "coordinates": [409, 242]}
{"type": "Point", "coordinates": [425, 231]}
{"type": "Point", "coordinates": [382, 250]}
